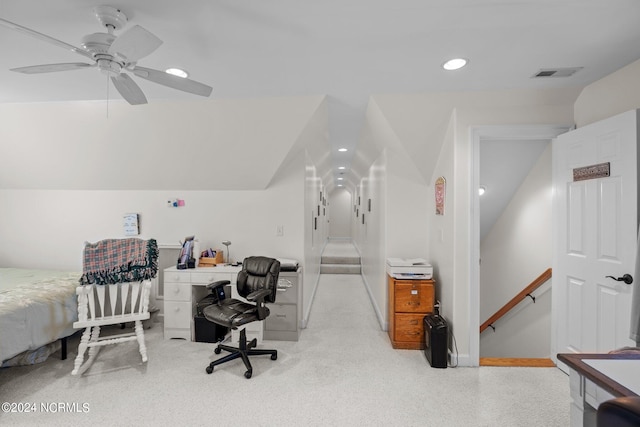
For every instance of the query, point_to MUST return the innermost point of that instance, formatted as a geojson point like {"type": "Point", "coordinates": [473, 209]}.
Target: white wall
{"type": "Point", "coordinates": [340, 211]}
{"type": "Point", "coordinates": [89, 169]}
{"type": "Point", "coordinates": [441, 241]}
{"type": "Point", "coordinates": [315, 234]}
{"type": "Point", "coordinates": [452, 255]}
{"type": "Point", "coordinates": [515, 252]}
{"type": "Point", "coordinates": [370, 237]}
{"type": "Point", "coordinates": [179, 145]}
{"type": "Point", "coordinates": [616, 93]}
{"type": "Point", "coordinates": [47, 228]}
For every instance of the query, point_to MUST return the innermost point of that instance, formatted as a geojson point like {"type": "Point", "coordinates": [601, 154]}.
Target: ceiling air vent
{"type": "Point", "coordinates": [557, 72]}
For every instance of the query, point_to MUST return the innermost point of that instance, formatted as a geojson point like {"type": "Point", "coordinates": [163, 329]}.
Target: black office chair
{"type": "Point", "coordinates": [619, 412]}
{"type": "Point", "coordinates": [258, 283]}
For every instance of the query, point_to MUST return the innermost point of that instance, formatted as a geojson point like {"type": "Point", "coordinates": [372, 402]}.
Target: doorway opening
{"type": "Point", "coordinates": [498, 137]}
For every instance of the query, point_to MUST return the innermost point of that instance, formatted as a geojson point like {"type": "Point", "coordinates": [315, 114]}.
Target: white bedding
{"type": "Point", "coordinates": [36, 308]}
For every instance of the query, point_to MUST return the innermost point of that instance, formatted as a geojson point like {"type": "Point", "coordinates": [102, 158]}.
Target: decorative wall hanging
{"type": "Point", "coordinates": [131, 224]}
{"type": "Point", "coordinates": [440, 195]}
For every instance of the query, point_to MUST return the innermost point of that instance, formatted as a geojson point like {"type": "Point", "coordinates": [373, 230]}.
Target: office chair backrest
{"type": "Point", "coordinates": [257, 273]}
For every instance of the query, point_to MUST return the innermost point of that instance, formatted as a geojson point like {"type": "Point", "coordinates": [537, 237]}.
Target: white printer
{"type": "Point", "coordinates": [409, 268]}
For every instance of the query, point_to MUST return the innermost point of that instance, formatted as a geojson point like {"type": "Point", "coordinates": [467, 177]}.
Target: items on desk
{"type": "Point", "coordinates": [211, 257]}
{"type": "Point", "coordinates": [186, 259]}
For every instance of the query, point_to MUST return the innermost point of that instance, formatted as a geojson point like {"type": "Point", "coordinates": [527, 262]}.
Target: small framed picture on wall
{"type": "Point", "coordinates": [440, 195]}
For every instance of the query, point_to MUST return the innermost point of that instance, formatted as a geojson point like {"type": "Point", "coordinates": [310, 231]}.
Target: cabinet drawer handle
{"type": "Point", "coordinates": [281, 315]}
{"type": "Point", "coordinates": [413, 322]}
{"type": "Point", "coordinates": [177, 309]}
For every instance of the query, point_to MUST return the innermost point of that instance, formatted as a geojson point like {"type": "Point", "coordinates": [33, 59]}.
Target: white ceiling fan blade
{"type": "Point", "coordinates": [52, 68]}
{"type": "Point", "coordinates": [172, 81]}
{"type": "Point", "coordinates": [135, 43]}
{"type": "Point", "coordinates": [129, 90]}
{"type": "Point", "coordinates": [44, 37]}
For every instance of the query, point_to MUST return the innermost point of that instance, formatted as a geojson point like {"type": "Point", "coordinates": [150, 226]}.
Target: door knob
{"type": "Point", "coordinates": [627, 278]}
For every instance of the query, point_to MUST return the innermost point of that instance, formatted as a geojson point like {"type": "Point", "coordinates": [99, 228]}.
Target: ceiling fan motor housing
{"type": "Point", "coordinates": [110, 17]}
{"type": "Point", "coordinates": [98, 44]}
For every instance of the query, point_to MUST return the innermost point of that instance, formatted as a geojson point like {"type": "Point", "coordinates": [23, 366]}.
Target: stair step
{"type": "Point", "coordinates": [340, 268]}
{"type": "Point", "coordinates": [340, 259]}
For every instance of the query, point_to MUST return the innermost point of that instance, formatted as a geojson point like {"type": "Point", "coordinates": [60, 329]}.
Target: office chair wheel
{"type": "Point", "coordinates": [217, 350]}
{"type": "Point", "coordinates": [247, 374]}
{"type": "Point", "coordinates": [209, 369]}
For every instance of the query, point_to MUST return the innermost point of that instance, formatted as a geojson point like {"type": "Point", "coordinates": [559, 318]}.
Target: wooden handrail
{"type": "Point", "coordinates": [515, 300]}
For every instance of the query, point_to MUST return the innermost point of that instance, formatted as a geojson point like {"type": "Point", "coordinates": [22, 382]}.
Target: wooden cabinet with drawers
{"type": "Point", "coordinates": [409, 302]}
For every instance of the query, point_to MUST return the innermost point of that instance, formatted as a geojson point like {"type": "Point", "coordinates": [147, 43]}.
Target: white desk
{"type": "Point", "coordinates": [184, 288]}
{"type": "Point", "coordinates": [595, 378]}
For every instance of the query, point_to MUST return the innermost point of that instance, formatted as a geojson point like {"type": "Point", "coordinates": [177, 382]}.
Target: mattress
{"type": "Point", "coordinates": [36, 307]}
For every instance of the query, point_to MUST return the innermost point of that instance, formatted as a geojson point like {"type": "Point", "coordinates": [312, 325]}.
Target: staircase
{"type": "Point", "coordinates": [340, 258]}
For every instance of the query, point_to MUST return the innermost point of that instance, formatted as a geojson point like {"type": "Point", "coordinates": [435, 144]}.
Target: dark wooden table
{"type": "Point", "coordinates": [584, 403]}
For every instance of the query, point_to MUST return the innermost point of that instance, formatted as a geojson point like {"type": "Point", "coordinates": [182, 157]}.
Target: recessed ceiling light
{"type": "Point", "coordinates": [341, 168]}
{"type": "Point", "coordinates": [482, 190]}
{"type": "Point", "coordinates": [454, 64]}
{"type": "Point", "coordinates": [340, 178]}
{"type": "Point", "coordinates": [342, 149]}
{"type": "Point", "coordinates": [340, 185]}
{"type": "Point", "coordinates": [177, 72]}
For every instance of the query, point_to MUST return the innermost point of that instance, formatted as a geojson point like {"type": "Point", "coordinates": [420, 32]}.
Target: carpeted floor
{"type": "Point", "coordinates": [342, 372]}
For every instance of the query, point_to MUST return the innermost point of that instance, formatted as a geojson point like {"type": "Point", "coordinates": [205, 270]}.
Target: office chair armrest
{"type": "Point", "coordinates": [217, 284]}
{"type": "Point", "coordinates": [258, 296]}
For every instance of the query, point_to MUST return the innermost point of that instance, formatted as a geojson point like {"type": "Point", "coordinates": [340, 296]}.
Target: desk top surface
{"type": "Point", "coordinates": [619, 374]}
{"type": "Point", "coordinates": [221, 268]}
{"type": "Point", "coordinates": [625, 372]}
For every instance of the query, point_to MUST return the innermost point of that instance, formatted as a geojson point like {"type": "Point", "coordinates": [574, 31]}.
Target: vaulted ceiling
{"type": "Point", "coordinates": [344, 49]}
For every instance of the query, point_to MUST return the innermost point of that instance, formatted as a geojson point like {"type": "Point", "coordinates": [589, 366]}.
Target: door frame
{"type": "Point", "coordinates": [477, 134]}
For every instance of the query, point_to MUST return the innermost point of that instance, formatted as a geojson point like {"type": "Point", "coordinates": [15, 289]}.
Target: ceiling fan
{"type": "Point", "coordinates": [115, 56]}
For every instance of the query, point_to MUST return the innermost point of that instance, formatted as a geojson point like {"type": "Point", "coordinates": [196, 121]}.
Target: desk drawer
{"type": "Point", "coordinates": [409, 327]}
{"type": "Point", "coordinates": [205, 277]}
{"type": "Point", "coordinates": [413, 296]}
{"type": "Point", "coordinates": [177, 314]}
{"type": "Point", "coordinates": [283, 317]}
{"type": "Point", "coordinates": [287, 292]}
{"type": "Point", "coordinates": [177, 291]}
{"type": "Point", "coordinates": [177, 276]}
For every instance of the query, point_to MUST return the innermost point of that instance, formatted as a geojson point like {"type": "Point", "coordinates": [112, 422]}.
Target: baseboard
{"type": "Point", "coordinates": [531, 362]}
{"type": "Point", "coordinates": [381, 321]}
{"type": "Point", "coordinates": [461, 360]}
{"type": "Point", "coordinates": [307, 313]}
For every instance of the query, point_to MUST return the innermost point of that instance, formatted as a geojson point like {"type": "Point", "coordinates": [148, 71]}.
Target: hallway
{"type": "Point", "coordinates": [373, 384]}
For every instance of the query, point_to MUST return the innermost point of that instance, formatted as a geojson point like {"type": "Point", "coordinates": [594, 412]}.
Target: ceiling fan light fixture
{"type": "Point", "coordinates": [177, 72]}
{"type": "Point", "coordinates": [454, 64]}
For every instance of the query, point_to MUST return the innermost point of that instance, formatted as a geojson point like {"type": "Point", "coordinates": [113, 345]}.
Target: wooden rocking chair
{"type": "Point", "coordinates": [102, 302]}
{"type": "Point", "coordinates": [96, 300]}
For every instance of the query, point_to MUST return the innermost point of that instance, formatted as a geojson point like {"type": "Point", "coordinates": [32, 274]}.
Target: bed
{"type": "Point", "coordinates": [37, 307]}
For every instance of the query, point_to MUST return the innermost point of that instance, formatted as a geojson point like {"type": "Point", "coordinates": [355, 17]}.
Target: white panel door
{"type": "Point", "coordinates": [595, 230]}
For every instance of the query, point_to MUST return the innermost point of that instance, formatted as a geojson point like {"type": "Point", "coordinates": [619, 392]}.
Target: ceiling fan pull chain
{"type": "Point", "coordinates": [107, 77]}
